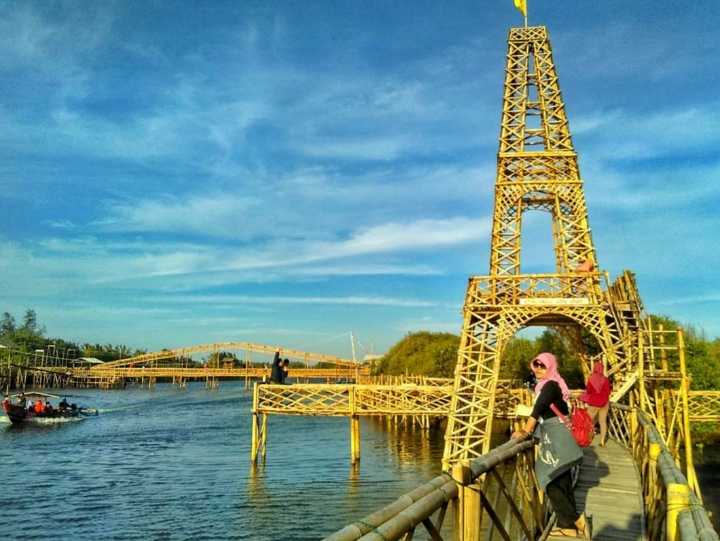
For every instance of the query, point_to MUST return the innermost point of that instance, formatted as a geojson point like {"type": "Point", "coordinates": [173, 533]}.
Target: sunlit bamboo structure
{"type": "Point", "coordinates": [405, 400]}
{"type": "Point", "coordinates": [47, 369]}
{"type": "Point", "coordinates": [218, 347]}
{"type": "Point", "coordinates": [511, 507]}
{"type": "Point", "coordinates": [537, 170]}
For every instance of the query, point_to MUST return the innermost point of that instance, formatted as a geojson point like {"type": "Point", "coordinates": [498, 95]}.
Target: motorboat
{"type": "Point", "coordinates": [20, 409]}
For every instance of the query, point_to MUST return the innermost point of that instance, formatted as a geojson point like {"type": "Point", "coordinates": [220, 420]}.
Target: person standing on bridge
{"type": "Point", "coordinates": [597, 398]}
{"type": "Point", "coordinates": [558, 452]}
{"type": "Point", "coordinates": [277, 375]}
{"type": "Point", "coordinates": [285, 368]}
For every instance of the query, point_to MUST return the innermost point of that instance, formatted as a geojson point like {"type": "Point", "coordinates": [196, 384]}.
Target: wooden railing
{"type": "Point", "coordinates": [502, 479]}
{"type": "Point", "coordinates": [704, 406]}
{"type": "Point", "coordinates": [526, 289]}
{"type": "Point", "coordinates": [510, 503]}
{"type": "Point", "coordinates": [673, 508]}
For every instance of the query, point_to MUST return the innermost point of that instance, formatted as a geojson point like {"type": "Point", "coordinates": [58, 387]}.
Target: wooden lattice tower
{"type": "Point", "coordinates": [537, 170]}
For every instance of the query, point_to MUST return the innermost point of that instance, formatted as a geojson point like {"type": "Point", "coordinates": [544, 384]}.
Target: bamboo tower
{"type": "Point", "coordinates": [537, 169]}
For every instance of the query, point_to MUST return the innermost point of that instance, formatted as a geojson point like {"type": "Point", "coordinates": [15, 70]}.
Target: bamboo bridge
{"type": "Point", "coordinates": [47, 369]}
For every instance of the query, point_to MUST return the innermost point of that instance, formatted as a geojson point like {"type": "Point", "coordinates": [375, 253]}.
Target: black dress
{"type": "Point", "coordinates": [560, 491]}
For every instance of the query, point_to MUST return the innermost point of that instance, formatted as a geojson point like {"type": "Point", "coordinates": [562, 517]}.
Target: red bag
{"type": "Point", "coordinates": [580, 425]}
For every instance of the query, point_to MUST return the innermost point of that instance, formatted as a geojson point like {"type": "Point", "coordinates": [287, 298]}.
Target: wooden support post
{"type": "Point", "coordinates": [255, 439]}
{"type": "Point", "coordinates": [354, 427]}
{"type": "Point", "coordinates": [654, 450]}
{"type": "Point", "coordinates": [263, 435]}
{"type": "Point", "coordinates": [687, 444]}
{"type": "Point", "coordinates": [678, 499]}
{"type": "Point", "coordinates": [469, 507]}
{"type": "Point", "coordinates": [255, 432]}
{"type": "Point", "coordinates": [354, 439]}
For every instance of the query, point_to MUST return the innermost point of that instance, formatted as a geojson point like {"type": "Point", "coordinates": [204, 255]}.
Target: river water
{"type": "Point", "coordinates": [175, 464]}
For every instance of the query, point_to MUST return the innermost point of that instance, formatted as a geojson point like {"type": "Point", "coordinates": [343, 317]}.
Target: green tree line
{"type": "Point", "coordinates": [27, 335]}
{"type": "Point", "coordinates": [435, 354]}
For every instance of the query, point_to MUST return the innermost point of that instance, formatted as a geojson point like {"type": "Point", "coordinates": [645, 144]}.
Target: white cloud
{"type": "Point", "coordinates": [56, 264]}
{"type": "Point", "coordinates": [619, 134]}
{"type": "Point", "coordinates": [268, 300]}
{"type": "Point", "coordinates": [360, 268]}
{"type": "Point", "coordinates": [415, 235]}
{"type": "Point", "coordinates": [211, 214]}
{"type": "Point", "coordinates": [672, 187]}
{"type": "Point", "coordinates": [710, 297]}
{"type": "Point", "coordinates": [371, 147]}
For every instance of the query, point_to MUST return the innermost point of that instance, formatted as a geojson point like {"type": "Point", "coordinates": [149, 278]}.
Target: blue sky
{"type": "Point", "coordinates": [174, 173]}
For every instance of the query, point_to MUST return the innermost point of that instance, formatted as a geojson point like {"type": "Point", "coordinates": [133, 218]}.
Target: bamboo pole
{"type": "Point", "coordinates": [678, 499]}
{"type": "Point", "coordinates": [684, 384]}
{"type": "Point", "coordinates": [254, 422]}
{"type": "Point", "coordinates": [263, 435]}
{"type": "Point", "coordinates": [354, 439]}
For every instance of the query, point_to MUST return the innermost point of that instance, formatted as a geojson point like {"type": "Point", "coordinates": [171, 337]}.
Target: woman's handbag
{"type": "Point", "coordinates": [580, 425]}
{"type": "Point", "coordinates": [557, 450]}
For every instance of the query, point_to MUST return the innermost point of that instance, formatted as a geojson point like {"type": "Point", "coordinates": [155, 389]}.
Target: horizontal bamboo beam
{"type": "Point", "coordinates": [160, 372]}
{"type": "Point", "coordinates": [229, 346]}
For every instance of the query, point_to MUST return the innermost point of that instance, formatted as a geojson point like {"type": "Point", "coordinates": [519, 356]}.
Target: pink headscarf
{"type": "Point", "coordinates": [551, 374]}
{"type": "Point", "coordinates": [597, 378]}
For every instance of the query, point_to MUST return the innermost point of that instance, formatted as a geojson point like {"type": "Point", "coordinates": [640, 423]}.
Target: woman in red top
{"type": "Point", "coordinates": [597, 398]}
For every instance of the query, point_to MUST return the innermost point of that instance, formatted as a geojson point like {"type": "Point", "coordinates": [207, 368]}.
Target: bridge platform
{"type": "Point", "coordinates": [609, 489]}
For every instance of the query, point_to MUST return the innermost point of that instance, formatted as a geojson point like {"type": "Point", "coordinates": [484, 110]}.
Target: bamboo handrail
{"type": "Point", "coordinates": [416, 507]}
{"type": "Point", "coordinates": [673, 510]}
{"type": "Point", "coordinates": [692, 519]}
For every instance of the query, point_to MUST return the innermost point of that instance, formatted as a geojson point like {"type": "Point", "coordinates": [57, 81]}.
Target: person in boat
{"type": "Point", "coordinates": [276, 372]}
{"type": "Point", "coordinates": [558, 452]}
{"type": "Point", "coordinates": [39, 407]}
{"type": "Point", "coordinates": [63, 405]}
{"type": "Point", "coordinates": [5, 402]}
{"type": "Point", "coordinates": [49, 410]}
{"type": "Point", "coordinates": [23, 400]}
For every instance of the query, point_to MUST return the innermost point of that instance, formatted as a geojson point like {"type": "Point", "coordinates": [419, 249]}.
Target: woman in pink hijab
{"type": "Point", "coordinates": [558, 453]}
{"type": "Point", "coordinates": [597, 398]}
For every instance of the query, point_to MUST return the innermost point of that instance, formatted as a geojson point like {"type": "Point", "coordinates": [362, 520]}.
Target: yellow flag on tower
{"type": "Point", "coordinates": [522, 6]}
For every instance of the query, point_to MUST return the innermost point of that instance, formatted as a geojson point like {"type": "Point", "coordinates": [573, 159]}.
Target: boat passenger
{"type": "Point", "coordinates": [49, 410]}
{"type": "Point", "coordinates": [23, 400]}
{"type": "Point", "coordinates": [39, 407]}
{"type": "Point", "coordinates": [63, 404]}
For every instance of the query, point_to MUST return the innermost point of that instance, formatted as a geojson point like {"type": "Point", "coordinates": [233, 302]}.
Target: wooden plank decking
{"type": "Point", "coordinates": [609, 490]}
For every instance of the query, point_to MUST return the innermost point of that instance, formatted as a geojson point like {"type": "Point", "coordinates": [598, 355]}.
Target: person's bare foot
{"type": "Point", "coordinates": [582, 527]}
{"type": "Point", "coordinates": [565, 532]}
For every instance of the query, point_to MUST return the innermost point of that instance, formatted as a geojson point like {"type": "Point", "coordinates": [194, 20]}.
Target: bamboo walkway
{"type": "Point", "coordinates": [610, 491]}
